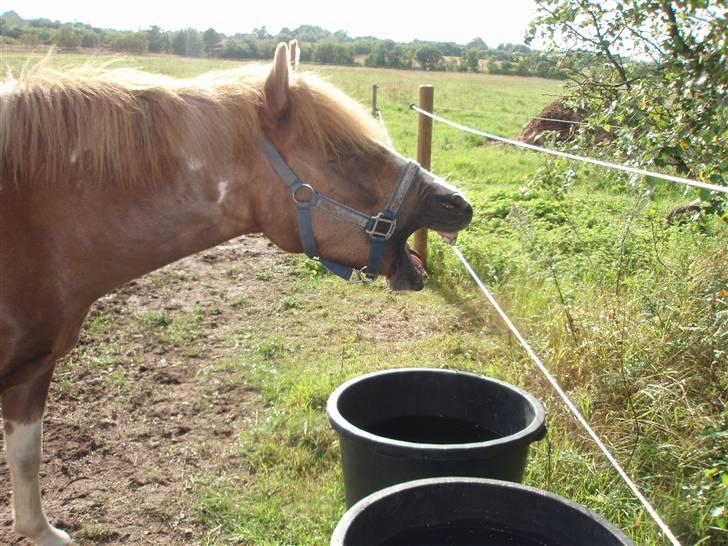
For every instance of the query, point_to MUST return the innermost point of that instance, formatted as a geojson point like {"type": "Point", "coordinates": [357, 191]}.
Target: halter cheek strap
{"type": "Point", "coordinates": [379, 227]}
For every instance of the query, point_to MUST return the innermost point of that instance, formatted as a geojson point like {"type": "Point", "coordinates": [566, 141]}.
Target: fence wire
{"type": "Point", "coordinates": [569, 404]}
{"type": "Point", "coordinates": [534, 357]}
{"type": "Point", "coordinates": [558, 153]}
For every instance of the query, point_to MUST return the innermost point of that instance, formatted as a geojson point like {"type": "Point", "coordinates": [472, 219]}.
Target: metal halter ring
{"type": "Point", "coordinates": [312, 197]}
{"type": "Point", "coordinates": [361, 276]}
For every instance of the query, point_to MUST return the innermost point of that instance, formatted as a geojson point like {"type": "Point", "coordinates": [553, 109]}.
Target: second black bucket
{"type": "Point", "coordinates": [406, 424]}
{"type": "Point", "coordinates": [471, 512]}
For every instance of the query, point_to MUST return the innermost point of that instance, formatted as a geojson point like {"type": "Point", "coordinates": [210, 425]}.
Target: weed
{"type": "Point", "coordinates": [270, 350]}
{"type": "Point", "coordinates": [151, 320]}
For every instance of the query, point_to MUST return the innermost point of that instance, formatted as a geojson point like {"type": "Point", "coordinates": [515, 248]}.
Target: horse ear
{"type": "Point", "coordinates": [295, 54]}
{"type": "Point", "coordinates": [276, 86]}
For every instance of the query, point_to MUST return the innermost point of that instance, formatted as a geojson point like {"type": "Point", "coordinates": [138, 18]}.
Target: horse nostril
{"type": "Point", "coordinates": [456, 201]}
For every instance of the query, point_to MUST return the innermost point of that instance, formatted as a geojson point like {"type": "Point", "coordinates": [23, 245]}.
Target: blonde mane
{"type": "Point", "coordinates": [129, 127]}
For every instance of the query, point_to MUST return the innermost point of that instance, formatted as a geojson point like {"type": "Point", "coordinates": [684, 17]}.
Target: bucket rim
{"type": "Point", "coordinates": [535, 430]}
{"type": "Point", "coordinates": [339, 534]}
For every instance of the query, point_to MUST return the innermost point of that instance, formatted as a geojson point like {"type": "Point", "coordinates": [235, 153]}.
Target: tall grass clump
{"type": "Point", "coordinates": [629, 310]}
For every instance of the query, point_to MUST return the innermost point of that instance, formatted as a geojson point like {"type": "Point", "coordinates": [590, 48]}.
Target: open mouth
{"type": "Point", "coordinates": [417, 262]}
{"type": "Point", "coordinates": [407, 270]}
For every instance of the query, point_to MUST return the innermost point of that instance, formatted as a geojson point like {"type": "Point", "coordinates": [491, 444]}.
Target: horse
{"type": "Point", "coordinates": [107, 174]}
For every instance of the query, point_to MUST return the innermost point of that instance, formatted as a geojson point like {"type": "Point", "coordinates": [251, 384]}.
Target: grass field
{"type": "Point", "coordinates": [628, 311]}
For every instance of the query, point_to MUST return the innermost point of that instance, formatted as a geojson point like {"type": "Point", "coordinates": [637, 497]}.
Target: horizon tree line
{"type": "Point", "coordinates": [317, 45]}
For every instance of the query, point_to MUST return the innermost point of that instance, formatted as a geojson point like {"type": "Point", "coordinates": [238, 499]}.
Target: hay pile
{"type": "Point", "coordinates": [558, 122]}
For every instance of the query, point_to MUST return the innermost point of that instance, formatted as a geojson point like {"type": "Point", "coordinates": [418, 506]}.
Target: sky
{"type": "Point", "coordinates": [495, 21]}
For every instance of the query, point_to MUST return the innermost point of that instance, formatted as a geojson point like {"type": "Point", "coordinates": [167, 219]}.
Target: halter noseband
{"type": "Point", "coordinates": [379, 227]}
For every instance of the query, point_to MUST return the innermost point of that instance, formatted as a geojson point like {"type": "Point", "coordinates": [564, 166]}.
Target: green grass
{"type": "Point", "coordinates": [291, 492]}
{"type": "Point", "coordinates": [628, 311]}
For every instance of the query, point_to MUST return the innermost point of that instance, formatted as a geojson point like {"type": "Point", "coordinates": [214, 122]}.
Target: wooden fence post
{"type": "Point", "coordinates": [374, 100]}
{"type": "Point", "coordinates": [424, 155]}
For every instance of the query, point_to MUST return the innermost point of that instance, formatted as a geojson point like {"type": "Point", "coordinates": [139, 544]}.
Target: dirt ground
{"type": "Point", "coordinates": [561, 123]}
{"type": "Point", "coordinates": [546, 122]}
{"type": "Point", "coordinates": [123, 435]}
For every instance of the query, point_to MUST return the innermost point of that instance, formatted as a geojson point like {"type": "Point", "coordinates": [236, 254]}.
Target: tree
{"type": "Point", "coordinates": [306, 52]}
{"type": "Point", "coordinates": [390, 54]}
{"type": "Point", "coordinates": [399, 56]}
{"type": "Point", "coordinates": [363, 46]}
{"type": "Point", "coordinates": [10, 18]}
{"type": "Point", "coordinates": [656, 70]}
{"type": "Point", "coordinates": [68, 38]}
{"type": "Point", "coordinates": [134, 42]}
{"type": "Point", "coordinates": [429, 57]}
{"type": "Point", "coordinates": [285, 35]}
{"type": "Point", "coordinates": [90, 39]}
{"type": "Point", "coordinates": [212, 41]}
{"type": "Point", "coordinates": [12, 25]}
{"type": "Point", "coordinates": [157, 40]}
{"type": "Point", "coordinates": [503, 67]}
{"type": "Point", "coordinates": [377, 57]}
{"type": "Point", "coordinates": [236, 49]}
{"type": "Point", "coordinates": [477, 43]}
{"type": "Point", "coordinates": [30, 38]}
{"type": "Point", "coordinates": [328, 52]}
{"type": "Point", "coordinates": [45, 35]}
{"type": "Point", "coordinates": [341, 36]}
{"type": "Point", "coordinates": [344, 55]}
{"type": "Point", "coordinates": [450, 49]}
{"type": "Point", "coordinates": [187, 42]}
{"type": "Point", "coordinates": [324, 53]}
{"type": "Point", "coordinates": [311, 34]}
{"type": "Point", "coordinates": [266, 48]}
{"type": "Point", "coordinates": [262, 33]}
{"type": "Point", "coordinates": [471, 60]}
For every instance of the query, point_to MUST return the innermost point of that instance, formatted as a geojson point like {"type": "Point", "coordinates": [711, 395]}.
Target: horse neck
{"type": "Point", "coordinates": [109, 236]}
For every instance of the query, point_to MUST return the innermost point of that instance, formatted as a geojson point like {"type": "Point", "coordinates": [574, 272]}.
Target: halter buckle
{"type": "Point", "coordinates": [382, 227]}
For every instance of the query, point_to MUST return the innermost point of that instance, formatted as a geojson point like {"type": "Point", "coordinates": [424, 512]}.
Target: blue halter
{"type": "Point", "coordinates": [380, 227]}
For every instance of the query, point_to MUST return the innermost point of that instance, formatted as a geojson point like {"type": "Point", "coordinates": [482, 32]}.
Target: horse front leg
{"type": "Point", "coordinates": [23, 407]}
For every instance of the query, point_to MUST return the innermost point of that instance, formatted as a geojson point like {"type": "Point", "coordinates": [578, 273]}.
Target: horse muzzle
{"type": "Point", "coordinates": [447, 214]}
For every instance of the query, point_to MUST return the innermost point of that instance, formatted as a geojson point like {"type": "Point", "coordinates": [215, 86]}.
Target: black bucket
{"type": "Point", "coordinates": [470, 512]}
{"type": "Point", "coordinates": [401, 425]}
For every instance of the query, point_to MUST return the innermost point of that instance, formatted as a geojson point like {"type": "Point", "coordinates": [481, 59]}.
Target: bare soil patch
{"type": "Point", "coordinates": [147, 404]}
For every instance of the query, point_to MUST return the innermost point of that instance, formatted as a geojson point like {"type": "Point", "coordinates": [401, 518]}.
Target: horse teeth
{"type": "Point", "coordinates": [448, 237]}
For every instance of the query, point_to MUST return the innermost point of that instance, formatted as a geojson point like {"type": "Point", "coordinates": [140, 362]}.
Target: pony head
{"type": "Point", "coordinates": [336, 151]}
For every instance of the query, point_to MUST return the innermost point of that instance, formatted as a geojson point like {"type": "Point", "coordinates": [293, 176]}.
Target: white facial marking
{"type": "Point", "coordinates": [222, 188]}
{"type": "Point", "coordinates": [23, 452]}
{"type": "Point", "coordinates": [73, 158]}
{"type": "Point", "coordinates": [195, 163]}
